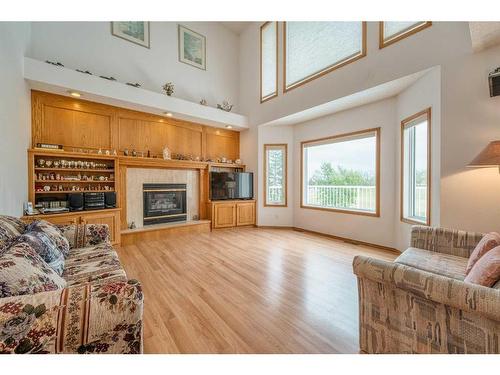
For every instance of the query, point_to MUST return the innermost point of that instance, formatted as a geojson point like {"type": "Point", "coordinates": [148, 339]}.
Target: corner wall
{"type": "Point", "coordinates": [15, 109]}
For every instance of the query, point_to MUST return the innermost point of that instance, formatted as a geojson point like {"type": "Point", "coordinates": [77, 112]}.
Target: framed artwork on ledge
{"type": "Point", "coordinates": [192, 48]}
{"type": "Point", "coordinates": [135, 32]}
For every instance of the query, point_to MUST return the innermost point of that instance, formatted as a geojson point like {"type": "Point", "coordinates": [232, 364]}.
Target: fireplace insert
{"type": "Point", "coordinates": [164, 203]}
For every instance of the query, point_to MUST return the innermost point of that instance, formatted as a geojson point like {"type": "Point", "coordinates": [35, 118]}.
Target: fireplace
{"type": "Point", "coordinates": [164, 203]}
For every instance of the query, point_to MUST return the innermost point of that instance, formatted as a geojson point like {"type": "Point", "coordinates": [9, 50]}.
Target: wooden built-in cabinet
{"type": "Point", "coordinates": [111, 217]}
{"type": "Point", "coordinates": [227, 214]}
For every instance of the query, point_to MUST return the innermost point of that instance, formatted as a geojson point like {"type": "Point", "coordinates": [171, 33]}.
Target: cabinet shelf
{"type": "Point", "coordinates": [74, 191]}
{"type": "Point", "coordinates": [74, 182]}
{"type": "Point", "coordinates": [73, 170]}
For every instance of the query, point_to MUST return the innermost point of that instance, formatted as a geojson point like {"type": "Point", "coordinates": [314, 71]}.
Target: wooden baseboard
{"type": "Point", "coordinates": [272, 227]}
{"type": "Point", "coordinates": [348, 240]}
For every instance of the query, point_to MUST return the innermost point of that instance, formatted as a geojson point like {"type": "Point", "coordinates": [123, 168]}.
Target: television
{"type": "Point", "coordinates": [231, 185]}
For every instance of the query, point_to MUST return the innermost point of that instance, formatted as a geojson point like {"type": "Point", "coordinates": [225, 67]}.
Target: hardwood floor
{"type": "Point", "coordinates": [248, 290]}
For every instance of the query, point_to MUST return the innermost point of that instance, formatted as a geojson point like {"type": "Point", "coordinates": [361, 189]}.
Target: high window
{"type": "Point", "coordinates": [312, 49]}
{"type": "Point", "coordinates": [341, 173]}
{"type": "Point", "coordinates": [268, 61]}
{"type": "Point", "coordinates": [392, 32]}
{"type": "Point", "coordinates": [415, 168]}
{"type": "Point", "coordinates": [275, 174]}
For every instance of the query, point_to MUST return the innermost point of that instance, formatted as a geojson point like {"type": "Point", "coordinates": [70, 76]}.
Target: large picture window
{"type": "Point", "coordinates": [415, 168]}
{"type": "Point", "coordinates": [268, 61]}
{"type": "Point", "coordinates": [312, 49]}
{"type": "Point", "coordinates": [341, 173]}
{"type": "Point", "coordinates": [275, 174]}
{"type": "Point", "coordinates": [392, 32]}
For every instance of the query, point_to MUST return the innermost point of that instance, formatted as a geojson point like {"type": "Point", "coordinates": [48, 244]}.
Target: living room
{"type": "Point", "coordinates": [190, 185]}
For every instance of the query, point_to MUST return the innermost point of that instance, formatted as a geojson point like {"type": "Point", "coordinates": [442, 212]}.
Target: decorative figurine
{"type": "Point", "coordinates": [125, 152]}
{"type": "Point", "coordinates": [136, 85]}
{"type": "Point", "coordinates": [167, 155]}
{"type": "Point", "coordinates": [134, 153]}
{"type": "Point", "coordinates": [225, 106]}
{"type": "Point", "coordinates": [203, 102]}
{"type": "Point", "coordinates": [168, 88]}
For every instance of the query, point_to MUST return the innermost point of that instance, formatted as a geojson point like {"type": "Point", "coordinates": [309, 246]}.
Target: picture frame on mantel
{"type": "Point", "coordinates": [192, 48]}
{"type": "Point", "coordinates": [133, 31]}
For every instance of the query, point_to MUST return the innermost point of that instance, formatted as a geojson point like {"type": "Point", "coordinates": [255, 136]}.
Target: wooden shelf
{"type": "Point", "coordinates": [76, 181]}
{"type": "Point", "coordinates": [70, 154]}
{"type": "Point", "coordinates": [73, 191]}
{"type": "Point", "coordinates": [74, 170]}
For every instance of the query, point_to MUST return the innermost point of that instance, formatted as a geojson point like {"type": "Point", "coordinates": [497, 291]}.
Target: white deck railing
{"type": "Point", "coordinates": [350, 197]}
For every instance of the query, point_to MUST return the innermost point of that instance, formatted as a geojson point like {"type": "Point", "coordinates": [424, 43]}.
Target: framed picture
{"type": "Point", "coordinates": [135, 32]}
{"type": "Point", "coordinates": [192, 48]}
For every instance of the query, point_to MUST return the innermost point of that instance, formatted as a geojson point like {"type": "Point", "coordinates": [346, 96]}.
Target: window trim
{"type": "Point", "coordinates": [328, 69]}
{"type": "Point", "coordinates": [285, 166]}
{"type": "Point", "coordinates": [382, 43]}
{"type": "Point", "coordinates": [428, 113]}
{"type": "Point", "coordinates": [275, 93]}
{"type": "Point", "coordinates": [377, 173]}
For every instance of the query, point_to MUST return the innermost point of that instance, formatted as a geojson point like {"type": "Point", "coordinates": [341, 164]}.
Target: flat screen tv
{"type": "Point", "coordinates": [231, 185]}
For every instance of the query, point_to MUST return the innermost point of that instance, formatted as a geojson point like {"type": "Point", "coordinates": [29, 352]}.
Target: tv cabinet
{"type": "Point", "coordinates": [234, 213]}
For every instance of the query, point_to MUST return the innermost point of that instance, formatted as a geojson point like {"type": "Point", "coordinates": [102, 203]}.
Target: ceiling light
{"type": "Point", "coordinates": [168, 114]}
{"type": "Point", "coordinates": [229, 127]}
{"type": "Point", "coordinates": [74, 94]}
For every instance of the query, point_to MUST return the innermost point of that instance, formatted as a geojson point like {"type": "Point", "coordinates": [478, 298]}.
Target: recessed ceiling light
{"type": "Point", "coordinates": [74, 94]}
{"type": "Point", "coordinates": [168, 114]}
{"type": "Point", "coordinates": [229, 127]}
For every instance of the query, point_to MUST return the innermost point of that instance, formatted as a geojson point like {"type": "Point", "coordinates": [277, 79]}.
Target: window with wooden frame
{"type": "Point", "coordinates": [275, 175]}
{"type": "Point", "coordinates": [392, 32]}
{"type": "Point", "coordinates": [312, 49]}
{"type": "Point", "coordinates": [416, 168]}
{"type": "Point", "coordinates": [342, 173]}
{"type": "Point", "coordinates": [268, 61]}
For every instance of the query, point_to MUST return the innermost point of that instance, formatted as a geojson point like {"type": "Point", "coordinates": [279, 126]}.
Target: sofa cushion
{"type": "Point", "coordinates": [53, 232]}
{"type": "Point", "coordinates": [488, 242]}
{"type": "Point", "coordinates": [44, 246]}
{"type": "Point", "coordinates": [441, 264]}
{"type": "Point", "coordinates": [486, 271]}
{"type": "Point", "coordinates": [10, 229]}
{"type": "Point", "coordinates": [23, 271]}
{"type": "Point", "coordinates": [93, 265]}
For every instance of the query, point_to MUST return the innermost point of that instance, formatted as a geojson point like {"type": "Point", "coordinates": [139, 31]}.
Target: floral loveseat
{"type": "Point", "coordinates": [420, 303]}
{"type": "Point", "coordinates": [80, 302]}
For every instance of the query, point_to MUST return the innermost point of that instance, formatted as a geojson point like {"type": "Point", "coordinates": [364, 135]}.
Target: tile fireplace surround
{"type": "Point", "coordinates": [136, 177]}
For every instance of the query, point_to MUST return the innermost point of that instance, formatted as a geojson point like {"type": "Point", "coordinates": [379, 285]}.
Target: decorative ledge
{"type": "Point", "coordinates": [59, 80]}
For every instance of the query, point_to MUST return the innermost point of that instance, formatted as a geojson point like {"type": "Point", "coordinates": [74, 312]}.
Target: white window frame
{"type": "Point", "coordinates": [407, 200]}
{"type": "Point", "coordinates": [284, 148]}
{"type": "Point", "coordinates": [335, 139]}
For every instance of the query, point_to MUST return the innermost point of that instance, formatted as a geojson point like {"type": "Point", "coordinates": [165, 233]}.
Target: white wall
{"type": "Point", "coordinates": [377, 230]}
{"type": "Point", "coordinates": [424, 93]}
{"type": "Point", "coordinates": [90, 45]}
{"type": "Point", "coordinates": [276, 216]}
{"type": "Point", "coordinates": [14, 118]}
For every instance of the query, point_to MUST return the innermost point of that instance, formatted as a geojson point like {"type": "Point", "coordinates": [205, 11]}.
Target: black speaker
{"type": "Point", "coordinates": [494, 80]}
{"type": "Point", "coordinates": [110, 199]}
{"type": "Point", "coordinates": [75, 201]}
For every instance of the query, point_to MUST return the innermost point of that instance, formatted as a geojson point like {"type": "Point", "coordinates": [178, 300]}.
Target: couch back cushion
{"type": "Point", "coordinates": [486, 271]}
{"type": "Point", "coordinates": [45, 247]}
{"type": "Point", "coordinates": [53, 232]}
{"type": "Point", "coordinates": [10, 229]}
{"type": "Point", "coordinates": [23, 271]}
{"type": "Point", "coordinates": [488, 242]}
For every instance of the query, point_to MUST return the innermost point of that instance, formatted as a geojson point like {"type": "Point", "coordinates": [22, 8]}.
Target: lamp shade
{"type": "Point", "coordinates": [489, 157]}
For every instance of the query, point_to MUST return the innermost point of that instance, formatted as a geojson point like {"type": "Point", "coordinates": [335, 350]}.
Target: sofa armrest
{"type": "Point", "coordinates": [437, 288]}
{"type": "Point", "coordinates": [83, 319]}
{"type": "Point", "coordinates": [83, 235]}
{"type": "Point", "coordinates": [446, 241]}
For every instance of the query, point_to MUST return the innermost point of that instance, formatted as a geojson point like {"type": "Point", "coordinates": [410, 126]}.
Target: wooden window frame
{"type": "Point", "coordinates": [328, 69]}
{"type": "Point", "coordinates": [275, 94]}
{"type": "Point", "coordinates": [382, 43]}
{"type": "Point", "coordinates": [428, 113]}
{"type": "Point", "coordinates": [285, 168]}
{"type": "Point", "coordinates": [377, 173]}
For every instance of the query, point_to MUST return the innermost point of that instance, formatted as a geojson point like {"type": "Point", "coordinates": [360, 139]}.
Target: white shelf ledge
{"type": "Point", "coordinates": [59, 80]}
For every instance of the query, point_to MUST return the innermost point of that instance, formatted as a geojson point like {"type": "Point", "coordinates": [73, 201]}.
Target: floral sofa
{"type": "Point", "coordinates": [76, 300]}
{"type": "Point", "coordinates": [420, 304]}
